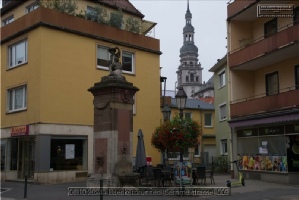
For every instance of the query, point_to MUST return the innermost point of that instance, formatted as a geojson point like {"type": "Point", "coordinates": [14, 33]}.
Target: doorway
{"type": "Point", "coordinates": [26, 158]}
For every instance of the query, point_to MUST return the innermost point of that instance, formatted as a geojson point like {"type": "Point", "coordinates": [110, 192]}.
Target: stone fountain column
{"type": "Point", "coordinates": [113, 127]}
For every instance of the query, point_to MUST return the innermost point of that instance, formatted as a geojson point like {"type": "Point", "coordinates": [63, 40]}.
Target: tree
{"type": "Point", "coordinates": [176, 135]}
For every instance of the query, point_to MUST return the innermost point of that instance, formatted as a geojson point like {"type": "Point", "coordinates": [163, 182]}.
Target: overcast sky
{"type": "Point", "coordinates": [208, 20]}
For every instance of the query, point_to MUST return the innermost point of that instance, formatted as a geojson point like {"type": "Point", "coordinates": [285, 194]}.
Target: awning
{"type": "Point", "coordinates": [265, 120]}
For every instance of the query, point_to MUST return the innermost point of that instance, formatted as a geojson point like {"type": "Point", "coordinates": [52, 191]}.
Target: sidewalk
{"type": "Point", "coordinates": [253, 189]}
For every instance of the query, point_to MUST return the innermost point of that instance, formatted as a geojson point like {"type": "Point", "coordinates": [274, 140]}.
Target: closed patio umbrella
{"type": "Point", "coordinates": [140, 161]}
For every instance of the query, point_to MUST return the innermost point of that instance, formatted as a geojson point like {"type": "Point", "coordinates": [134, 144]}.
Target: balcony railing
{"type": "Point", "coordinates": [288, 97]}
{"type": "Point", "coordinates": [263, 46]}
{"type": "Point", "coordinates": [61, 21]}
{"type": "Point", "coordinates": [237, 6]}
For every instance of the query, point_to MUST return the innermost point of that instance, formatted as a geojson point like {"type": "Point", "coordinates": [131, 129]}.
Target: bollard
{"type": "Point", "coordinates": [101, 189]}
{"type": "Point", "coordinates": [25, 188]}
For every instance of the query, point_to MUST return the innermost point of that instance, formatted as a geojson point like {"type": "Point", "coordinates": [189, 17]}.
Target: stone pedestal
{"type": "Point", "coordinates": [113, 127]}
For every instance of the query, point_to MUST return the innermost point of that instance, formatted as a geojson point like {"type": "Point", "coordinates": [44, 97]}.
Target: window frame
{"type": "Point", "coordinates": [188, 113]}
{"type": "Point", "coordinates": [267, 25]}
{"type": "Point", "coordinates": [13, 54]}
{"type": "Point", "coordinates": [221, 79]}
{"type": "Point", "coordinates": [267, 79]}
{"type": "Point", "coordinates": [199, 151]}
{"type": "Point", "coordinates": [220, 117]}
{"type": "Point", "coordinates": [211, 124]}
{"type": "Point", "coordinates": [223, 147]}
{"type": "Point", "coordinates": [8, 20]}
{"type": "Point", "coordinates": [123, 52]}
{"type": "Point", "coordinates": [11, 99]}
{"type": "Point", "coordinates": [102, 66]}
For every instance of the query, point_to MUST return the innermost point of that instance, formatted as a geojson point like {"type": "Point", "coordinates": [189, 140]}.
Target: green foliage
{"type": "Point", "coordinates": [97, 14]}
{"type": "Point", "coordinates": [177, 134]}
{"type": "Point", "coordinates": [65, 6]}
{"type": "Point", "coordinates": [116, 19]}
{"type": "Point", "coordinates": [133, 25]}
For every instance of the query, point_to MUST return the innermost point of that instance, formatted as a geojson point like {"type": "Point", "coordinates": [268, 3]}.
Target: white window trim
{"type": "Point", "coordinates": [219, 106]}
{"type": "Point", "coordinates": [107, 68]}
{"type": "Point", "coordinates": [24, 99]}
{"type": "Point", "coordinates": [133, 62]}
{"type": "Point", "coordinates": [26, 54]}
{"type": "Point", "coordinates": [99, 66]}
{"type": "Point", "coordinates": [219, 74]}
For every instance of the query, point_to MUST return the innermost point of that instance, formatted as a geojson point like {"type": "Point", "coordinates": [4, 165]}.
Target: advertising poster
{"type": "Point", "coordinates": [69, 151]}
{"type": "Point", "coordinates": [185, 169]}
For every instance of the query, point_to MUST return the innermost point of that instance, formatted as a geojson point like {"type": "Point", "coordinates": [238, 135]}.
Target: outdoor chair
{"type": "Point", "coordinates": [201, 174]}
{"type": "Point", "coordinates": [158, 176]}
{"type": "Point", "coordinates": [168, 174]}
{"type": "Point", "coordinates": [211, 175]}
{"type": "Point", "coordinates": [149, 174]}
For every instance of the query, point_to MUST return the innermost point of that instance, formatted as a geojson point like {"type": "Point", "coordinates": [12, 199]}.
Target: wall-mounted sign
{"type": "Point", "coordinates": [19, 131]}
{"type": "Point", "coordinates": [69, 151]}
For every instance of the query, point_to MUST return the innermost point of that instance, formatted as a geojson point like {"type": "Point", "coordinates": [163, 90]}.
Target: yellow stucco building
{"type": "Point", "coordinates": [49, 60]}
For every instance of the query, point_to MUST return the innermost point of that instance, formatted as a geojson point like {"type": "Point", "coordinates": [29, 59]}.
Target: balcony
{"type": "Point", "coordinates": [56, 20]}
{"type": "Point", "coordinates": [238, 6]}
{"type": "Point", "coordinates": [288, 97]}
{"type": "Point", "coordinates": [264, 52]}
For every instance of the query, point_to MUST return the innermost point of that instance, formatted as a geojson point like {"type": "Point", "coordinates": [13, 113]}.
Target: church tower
{"type": "Point", "coordinates": [189, 73]}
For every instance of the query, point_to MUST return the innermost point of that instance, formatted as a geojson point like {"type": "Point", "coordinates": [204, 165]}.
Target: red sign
{"type": "Point", "coordinates": [149, 160]}
{"type": "Point", "coordinates": [19, 130]}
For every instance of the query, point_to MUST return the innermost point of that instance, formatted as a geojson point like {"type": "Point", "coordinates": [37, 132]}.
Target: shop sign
{"type": "Point", "coordinates": [19, 131]}
{"type": "Point", "coordinates": [274, 130]}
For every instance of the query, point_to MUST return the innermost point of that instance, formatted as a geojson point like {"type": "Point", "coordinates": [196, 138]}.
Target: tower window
{"type": "Point", "coordinates": [187, 78]}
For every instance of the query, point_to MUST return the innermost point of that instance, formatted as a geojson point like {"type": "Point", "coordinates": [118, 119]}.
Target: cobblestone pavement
{"type": "Point", "coordinates": [253, 189]}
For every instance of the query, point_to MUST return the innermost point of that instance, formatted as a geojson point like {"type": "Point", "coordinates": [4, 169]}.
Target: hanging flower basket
{"type": "Point", "coordinates": [175, 135]}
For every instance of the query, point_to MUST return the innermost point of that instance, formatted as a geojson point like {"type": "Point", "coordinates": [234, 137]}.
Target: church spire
{"type": "Point", "coordinates": [188, 15]}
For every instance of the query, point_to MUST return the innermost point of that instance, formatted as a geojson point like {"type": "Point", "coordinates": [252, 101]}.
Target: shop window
{"type": "Point", "coordinates": [17, 54]}
{"type": "Point", "coordinates": [68, 154]}
{"type": "Point", "coordinates": [208, 120]}
{"type": "Point", "coordinates": [222, 111]}
{"type": "Point", "coordinates": [17, 99]}
{"type": "Point", "coordinates": [8, 20]}
{"type": "Point", "coordinates": [221, 79]}
{"type": "Point", "coordinates": [272, 83]}
{"type": "Point", "coordinates": [103, 57]}
{"type": "Point", "coordinates": [270, 28]}
{"type": "Point", "coordinates": [3, 153]}
{"type": "Point", "coordinates": [127, 62]}
{"type": "Point", "coordinates": [223, 150]}
{"type": "Point", "coordinates": [297, 76]}
{"type": "Point", "coordinates": [13, 154]}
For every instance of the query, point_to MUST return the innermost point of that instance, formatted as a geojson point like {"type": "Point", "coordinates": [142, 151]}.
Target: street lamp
{"type": "Point", "coordinates": [181, 99]}
{"type": "Point", "coordinates": [166, 113]}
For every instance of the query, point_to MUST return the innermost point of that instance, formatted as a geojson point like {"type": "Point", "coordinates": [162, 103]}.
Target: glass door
{"type": "Point", "coordinates": [26, 158]}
